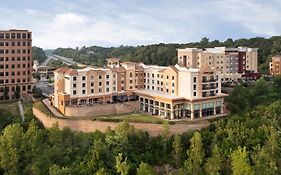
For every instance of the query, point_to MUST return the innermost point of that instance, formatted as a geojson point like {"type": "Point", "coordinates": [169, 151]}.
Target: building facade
{"type": "Point", "coordinates": [234, 63]}
{"type": "Point", "coordinates": [275, 65]}
{"type": "Point", "coordinates": [170, 92]}
{"type": "Point", "coordinates": [15, 64]}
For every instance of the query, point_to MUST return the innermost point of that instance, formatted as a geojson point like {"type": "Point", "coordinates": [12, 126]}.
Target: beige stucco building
{"type": "Point", "coordinates": [170, 92]}
{"type": "Point", "coordinates": [275, 65]}
{"type": "Point", "coordinates": [234, 63]}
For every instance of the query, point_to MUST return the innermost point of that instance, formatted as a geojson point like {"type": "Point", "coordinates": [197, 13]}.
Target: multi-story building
{"type": "Point", "coordinates": [170, 92]}
{"type": "Point", "coordinates": [275, 65]}
{"type": "Point", "coordinates": [15, 64]}
{"type": "Point", "coordinates": [234, 63]}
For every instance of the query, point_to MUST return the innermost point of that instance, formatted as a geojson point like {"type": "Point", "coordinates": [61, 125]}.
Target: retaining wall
{"type": "Point", "coordinates": [101, 109]}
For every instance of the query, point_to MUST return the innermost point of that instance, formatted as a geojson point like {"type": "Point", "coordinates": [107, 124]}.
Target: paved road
{"type": "Point", "coordinates": [68, 61]}
{"type": "Point", "coordinates": [45, 63]}
{"type": "Point", "coordinates": [46, 88]}
{"type": "Point", "coordinates": [21, 110]}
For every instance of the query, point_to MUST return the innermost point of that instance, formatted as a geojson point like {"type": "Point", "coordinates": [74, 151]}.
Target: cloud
{"type": "Point", "coordinates": [110, 23]}
{"type": "Point", "coordinates": [261, 18]}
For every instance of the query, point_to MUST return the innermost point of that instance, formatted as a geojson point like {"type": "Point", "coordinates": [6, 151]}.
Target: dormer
{"type": "Point", "coordinates": [113, 62]}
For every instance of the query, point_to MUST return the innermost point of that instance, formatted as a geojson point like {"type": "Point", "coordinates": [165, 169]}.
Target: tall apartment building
{"type": "Point", "coordinates": [170, 92]}
{"type": "Point", "coordinates": [15, 63]}
{"type": "Point", "coordinates": [234, 63]}
{"type": "Point", "coordinates": [275, 65]}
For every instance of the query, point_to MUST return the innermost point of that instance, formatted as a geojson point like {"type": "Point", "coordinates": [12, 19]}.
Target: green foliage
{"type": "Point", "coordinates": [121, 166]}
{"type": "Point", "coordinates": [243, 98]}
{"type": "Point", "coordinates": [145, 169]}
{"type": "Point", "coordinates": [240, 162]}
{"type": "Point", "coordinates": [36, 75]}
{"type": "Point", "coordinates": [245, 143]}
{"type": "Point", "coordinates": [38, 54]}
{"type": "Point", "coordinates": [195, 154]}
{"type": "Point", "coordinates": [214, 163]}
{"type": "Point", "coordinates": [166, 54]}
{"type": "Point", "coordinates": [37, 92]}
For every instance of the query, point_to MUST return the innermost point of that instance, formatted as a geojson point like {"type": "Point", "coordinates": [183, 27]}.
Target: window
{"type": "Point", "coordinates": [194, 94]}
{"type": "Point", "coordinates": [107, 89]}
{"type": "Point", "coordinates": [83, 84]}
{"type": "Point", "coordinates": [100, 90]}
{"type": "Point", "coordinates": [83, 91]}
{"type": "Point", "coordinates": [74, 78]}
{"type": "Point", "coordinates": [18, 35]}
{"type": "Point", "coordinates": [74, 85]}
{"type": "Point", "coordinates": [173, 77]}
{"type": "Point", "coordinates": [83, 78]}
{"type": "Point", "coordinates": [194, 79]}
{"type": "Point", "coordinates": [100, 83]}
{"type": "Point", "coordinates": [92, 84]}
{"type": "Point", "coordinates": [167, 77]}
{"type": "Point", "coordinates": [100, 77]}
{"type": "Point", "coordinates": [92, 91]}
{"type": "Point", "coordinates": [107, 76]}
{"type": "Point", "coordinates": [24, 35]}
{"type": "Point", "coordinates": [131, 74]}
{"type": "Point", "coordinates": [107, 83]}
{"type": "Point", "coordinates": [7, 35]}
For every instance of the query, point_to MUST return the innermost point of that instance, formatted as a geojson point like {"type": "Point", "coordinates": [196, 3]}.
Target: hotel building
{"type": "Point", "coordinates": [170, 92]}
{"type": "Point", "coordinates": [234, 63]}
{"type": "Point", "coordinates": [15, 63]}
{"type": "Point", "coordinates": [275, 65]}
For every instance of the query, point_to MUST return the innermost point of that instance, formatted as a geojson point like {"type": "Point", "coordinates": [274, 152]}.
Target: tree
{"type": "Point", "coordinates": [214, 163]}
{"type": "Point", "coordinates": [6, 93]}
{"type": "Point", "coordinates": [145, 169]}
{"type": "Point", "coordinates": [17, 92]}
{"type": "Point", "coordinates": [10, 149]}
{"type": "Point", "coordinates": [240, 162]}
{"type": "Point", "coordinates": [38, 54]}
{"type": "Point", "coordinates": [121, 166]}
{"type": "Point", "coordinates": [177, 149]}
{"type": "Point", "coordinates": [196, 154]}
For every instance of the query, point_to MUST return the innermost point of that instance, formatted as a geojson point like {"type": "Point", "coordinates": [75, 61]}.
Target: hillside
{"type": "Point", "coordinates": [166, 54]}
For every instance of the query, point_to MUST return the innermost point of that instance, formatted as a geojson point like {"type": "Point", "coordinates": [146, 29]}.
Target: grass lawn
{"type": "Point", "coordinates": [39, 105]}
{"type": "Point", "coordinates": [131, 117]}
{"type": "Point", "coordinates": [11, 107]}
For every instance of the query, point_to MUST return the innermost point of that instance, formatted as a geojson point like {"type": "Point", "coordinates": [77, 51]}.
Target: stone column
{"type": "Point", "coordinates": [200, 115]}
{"type": "Point", "coordinates": [192, 111]}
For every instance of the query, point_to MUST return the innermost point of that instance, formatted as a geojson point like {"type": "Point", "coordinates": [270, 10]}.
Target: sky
{"type": "Point", "coordinates": [71, 23]}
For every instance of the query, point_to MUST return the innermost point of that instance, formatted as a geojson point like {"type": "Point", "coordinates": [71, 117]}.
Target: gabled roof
{"type": "Point", "coordinates": [113, 59]}
{"type": "Point", "coordinates": [71, 72]}
{"type": "Point", "coordinates": [61, 70]}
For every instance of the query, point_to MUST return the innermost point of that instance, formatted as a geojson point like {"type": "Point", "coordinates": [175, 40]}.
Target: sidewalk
{"type": "Point", "coordinates": [52, 109]}
{"type": "Point", "coordinates": [21, 111]}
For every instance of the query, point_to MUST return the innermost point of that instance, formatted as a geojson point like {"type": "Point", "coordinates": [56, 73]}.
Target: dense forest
{"type": "Point", "coordinates": [166, 54]}
{"type": "Point", "coordinates": [38, 54]}
{"type": "Point", "coordinates": [245, 142]}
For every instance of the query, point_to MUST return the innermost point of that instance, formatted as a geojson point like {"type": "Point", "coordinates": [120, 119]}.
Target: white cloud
{"type": "Point", "coordinates": [261, 18]}
{"type": "Point", "coordinates": [70, 30]}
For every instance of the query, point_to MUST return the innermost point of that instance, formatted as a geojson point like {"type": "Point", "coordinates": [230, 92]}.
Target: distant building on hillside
{"type": "Point", "coordinates": [234, 63]}
{"type": "Point", "coordinates": [275, 65]}
{"type": "Point", "coordinates": [15, 64]}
